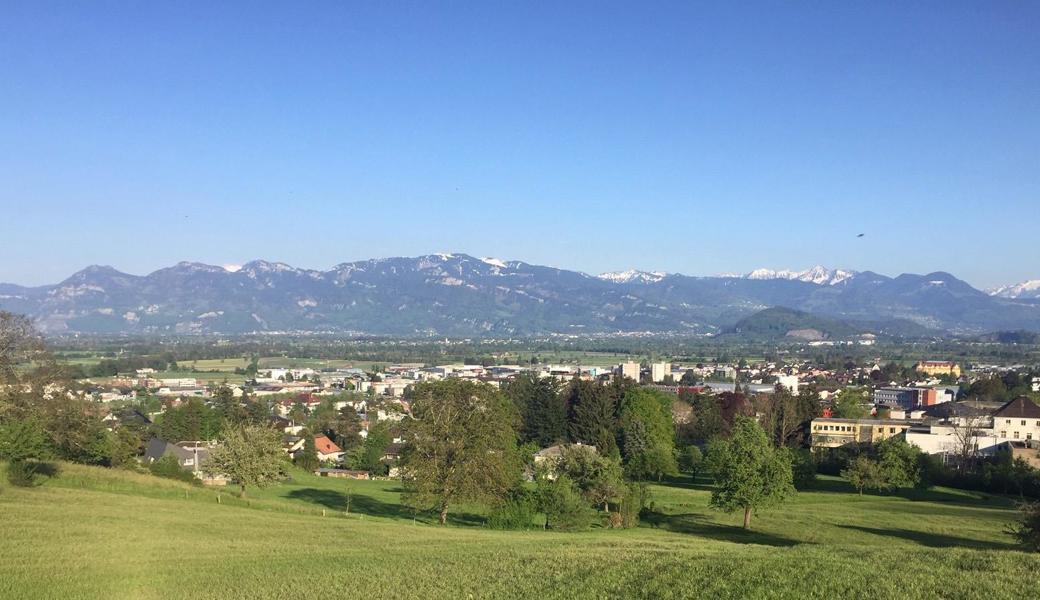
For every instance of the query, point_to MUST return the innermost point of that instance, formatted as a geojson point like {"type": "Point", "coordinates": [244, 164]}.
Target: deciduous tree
{"type": "Point", "coordinates": [648, 434]}
{"type": "Point", "coordinates": [849, 404]}
{"type": "Point", "coordinates": [899, 462]}
{"type": "Point", "coordinates": [460, 446]}
{"type": "Point", "coordinates": [251, 455]}
{"type": "Point", "coordinates": [749, 473]}
{"type": "Point", "coordinates": [862, 473]}
{"type": "Point", "coordinates": [598, 477]}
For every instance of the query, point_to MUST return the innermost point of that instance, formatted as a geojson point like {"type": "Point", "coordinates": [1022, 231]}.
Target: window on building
{"type": "Point", "coordinates": [1003, 434]}
{"type": "Point", "coordinates": [1029, 436]}
{"type": "Point", "coordinates": [1016, 435]}
{"type": "Point", "coordinates": [1008, 421]}
{"type": "Point", "coordinates": [891, 429]}
{"type": "Point", "coordinates": [1023, 421]}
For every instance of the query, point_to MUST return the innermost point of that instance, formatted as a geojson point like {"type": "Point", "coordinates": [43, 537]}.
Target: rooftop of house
{"type": "Point", "coordinates": [955, 409]}
{"type": "Point", "coordinates": [1019, 408]}
{"type": "Point", "coordinates": [326, 446]}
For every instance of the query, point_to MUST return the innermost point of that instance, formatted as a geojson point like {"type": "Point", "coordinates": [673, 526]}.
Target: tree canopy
{"type": "Point", "coordinates": [749, 473]}
{"type": "Point", "coordinates": [250, 455]}
{"type": "Point", "coordinates": [461, 446]}
{"type": "Point", "coordinates": [591, 415]}
{"type": "Point", "coordinates": [648, 434]}
{"type": "Point", "coordinates": [543, 415]}
{"type": "Point", "coordinates": [849, 404]}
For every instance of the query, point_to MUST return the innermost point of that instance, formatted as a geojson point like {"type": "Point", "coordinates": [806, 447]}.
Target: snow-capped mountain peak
{"type": "Point", "coordinates": [495, 262]}
{"type": "Point", "coordinates": [633, 276]}
{"type": "Point", "coordinates": [1026, 289]}
{"type": "Point", "coordinates": [818, 275]}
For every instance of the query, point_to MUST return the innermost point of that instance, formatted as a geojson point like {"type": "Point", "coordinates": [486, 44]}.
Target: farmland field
{"type": "Point", "coordinates": [96, 533]}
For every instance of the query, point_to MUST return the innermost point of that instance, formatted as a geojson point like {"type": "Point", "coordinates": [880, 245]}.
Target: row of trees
{"type": "Point", "coordinates": [42, 415]}
{"type": "Point", "coordinates": [620, 419]}
{"type": "Point", "coordinates": [462, 446]}
{"type": "Point", "coordinates": [891, 464]}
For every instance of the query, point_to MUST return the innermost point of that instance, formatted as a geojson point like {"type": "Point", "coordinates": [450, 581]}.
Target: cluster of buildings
{"type": "Point", "coordinates": [932, 418]}
{"type": "Point", "coordinates": [953, 431]}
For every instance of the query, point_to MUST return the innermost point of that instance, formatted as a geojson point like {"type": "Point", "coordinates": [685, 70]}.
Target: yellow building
{"type": "Point", "coordinates": [834, 433]}
{"type": "Point", "coordinates": [938, 367]}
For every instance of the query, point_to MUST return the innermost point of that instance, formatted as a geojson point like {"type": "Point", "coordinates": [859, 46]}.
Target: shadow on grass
{"type": "Point", "coordinates": [367, 505]}
{"type": "Point", "coordinates": [932, 540]}
{"type": "Point", "coordinates": [967, 498]}
{"type": "Point", "coordinates": [47, 469]}
{"type": "Point", "coordinates": [696, 524]}
{"type": "Point", "coordinates": [703, 484]}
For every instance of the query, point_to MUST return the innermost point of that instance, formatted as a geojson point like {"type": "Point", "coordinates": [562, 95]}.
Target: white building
{"type": "Point", "coordinates": [658, 371]}
{"type": "Point", "coordinates": [1016, 421]}
{"type": "Point", "coordinates": [629, 369]}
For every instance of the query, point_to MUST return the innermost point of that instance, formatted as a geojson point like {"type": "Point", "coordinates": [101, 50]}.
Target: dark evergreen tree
{"type": "Point", "coordinates": [346, 428]}
{"type": "Point", "coordinates": [543, 414]}
{"type": "Point", "coordinates": [591, 415]}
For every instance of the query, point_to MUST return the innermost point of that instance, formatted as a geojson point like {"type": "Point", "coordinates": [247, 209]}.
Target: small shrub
{"type": "Point", "coordinates": [169, 468]}
{"type": "Point", "coordinates": [1027, 531]}
{"type": "Point", "coordinates": [21, 473]}
{"type": "Point", "coordinates": [563, 505]}
{"type": "Point", "coordinates": [636, 497]}
{"type": "Point", "coordinates": [864, 473]}
{"type": "Point", "coordinates": [515, 513]}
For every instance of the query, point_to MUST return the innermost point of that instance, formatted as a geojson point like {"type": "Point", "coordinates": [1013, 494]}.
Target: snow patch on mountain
{"type": "Point", "coordinates": [1026, 289]}
{"type": "Point", "coordinates": [633, 276]}
{"type": "Point", "coordinates": [818, 275]}
{"type": "Point", "coordinates": [496, 262]}
{"type": "Point", "coordinates": [198, 267]}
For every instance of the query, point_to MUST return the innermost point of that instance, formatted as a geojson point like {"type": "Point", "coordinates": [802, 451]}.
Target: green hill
{"type": "Point", "coordinates": [778, 322]}
{"type": "Point", "coordinates": [95, 533]}
{"type": "Point", "coordinates": [100, 533]}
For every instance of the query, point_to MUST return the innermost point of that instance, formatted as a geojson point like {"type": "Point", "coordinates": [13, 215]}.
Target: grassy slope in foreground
{"type": "Point", "coordinates": [94, 533]}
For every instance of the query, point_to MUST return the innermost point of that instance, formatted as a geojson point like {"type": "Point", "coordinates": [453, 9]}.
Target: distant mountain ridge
{"type": "Point", "coordinates": [460, 295]}
{"type": "Point", "coordinates": [633, 276]}
{"type": "Point", "coordinates": [1025, 290]}
{"type": "Point", "coordinates": [818, 275]}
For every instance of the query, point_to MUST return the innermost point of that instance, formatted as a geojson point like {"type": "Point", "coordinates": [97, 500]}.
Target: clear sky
{"type": "Point", "coordinates": [690, 137]}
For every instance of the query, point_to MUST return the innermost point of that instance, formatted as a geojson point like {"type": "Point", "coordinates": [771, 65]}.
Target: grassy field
{"type": "Point", "coordinates": [93, 533]}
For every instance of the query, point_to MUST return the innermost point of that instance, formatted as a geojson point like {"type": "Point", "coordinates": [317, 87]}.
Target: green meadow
{"type": "Point", "coordinates": [98, 533]}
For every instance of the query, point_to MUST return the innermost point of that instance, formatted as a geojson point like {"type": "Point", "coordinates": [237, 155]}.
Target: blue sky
{"type": "Point", "coordinates": [688, 137]}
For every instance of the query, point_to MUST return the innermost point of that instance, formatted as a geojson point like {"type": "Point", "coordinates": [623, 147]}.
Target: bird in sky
{"type": "Point", "coordinates": [860, 235]}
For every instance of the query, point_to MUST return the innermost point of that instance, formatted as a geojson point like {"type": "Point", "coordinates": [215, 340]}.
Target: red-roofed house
{"type": "Point", "coordinates": [327, 449]}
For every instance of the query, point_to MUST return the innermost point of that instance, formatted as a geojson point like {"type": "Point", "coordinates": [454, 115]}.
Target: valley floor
{"type": "Point", "coordinates": [95, 533]}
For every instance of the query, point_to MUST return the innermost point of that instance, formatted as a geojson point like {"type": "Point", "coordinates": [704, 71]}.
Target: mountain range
{"type": "Point", "coordinates": [460, 295]}
{"type": "Point", "coordinates": [1027, 289]}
